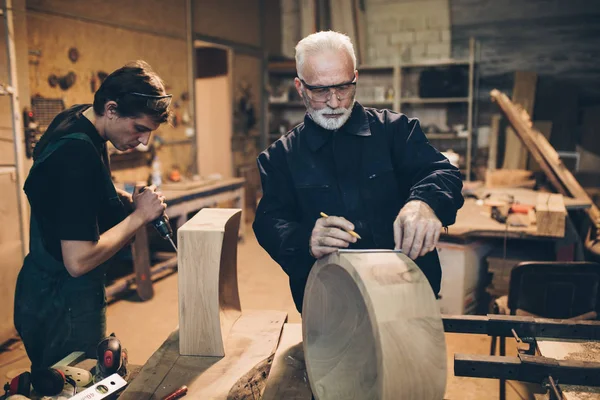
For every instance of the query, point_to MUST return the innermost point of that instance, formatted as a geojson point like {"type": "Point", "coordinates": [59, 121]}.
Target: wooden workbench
{"type": "Point", "coordinates": [576, 351]}
{"type": "Point", "coordinates": [182, 200]}
{"type": "Point", "coordinates": [241, 374]}
{"type": "Point", "coordinates": [474, 220]}
{"type": "Point", "coordinates": [185, 200]}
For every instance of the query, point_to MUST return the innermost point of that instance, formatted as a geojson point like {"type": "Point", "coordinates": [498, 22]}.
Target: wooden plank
{"type": "Point", "coordinates": [515, 156]}
{"type": "Point", "coordinates": [360, 21]}
{"type": "Point", "coordinates": [575, 351]}
{"type": "Point", "coordinates": [209, 301]}
{"type": "Point", "coordinates": [550, 215]}
{"type": "Point", "coordinates": [545, 128]}
{"type": "Point", "coordinates": [154, 370]}
{"type": "Point", "coordinates": [186, 185]}
{"type": "Point", "coordinates": [239, 374]}
{"type": "Point", "coordinates": [523, 127]}
{"type": "Point", "coordinates": [545, 155]}
{"type": "Point", "coordinates": [342, 18]}
{"type": "Point", "coordinates": [308, 17]}
{"type": "Point", "coordinates": [288, 379]}
{"type": "Point", "coordinates": [509, 178]}
{"type": "Point", "coordinates": [493, 149]}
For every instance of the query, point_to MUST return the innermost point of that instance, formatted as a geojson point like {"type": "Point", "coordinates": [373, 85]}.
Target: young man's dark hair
{"type": "Point", "coordinates": [137, 89]}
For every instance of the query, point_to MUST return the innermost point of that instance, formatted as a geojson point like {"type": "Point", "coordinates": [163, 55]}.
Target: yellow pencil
{"type": "Point", "coordinates": [356, 235]}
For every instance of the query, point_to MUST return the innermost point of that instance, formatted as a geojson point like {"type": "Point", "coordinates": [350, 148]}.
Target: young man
{"type": "Point", "coordinates": [373, 171]}
{"type": "Point", "coordinates": [78, 221]}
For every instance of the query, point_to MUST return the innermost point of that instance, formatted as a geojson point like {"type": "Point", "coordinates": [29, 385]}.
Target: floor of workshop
{"type": "Point", "coordinates": [143, 326]}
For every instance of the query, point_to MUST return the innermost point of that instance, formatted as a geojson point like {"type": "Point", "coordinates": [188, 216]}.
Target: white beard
{"type": "Point", "coordinates": [331, 124]}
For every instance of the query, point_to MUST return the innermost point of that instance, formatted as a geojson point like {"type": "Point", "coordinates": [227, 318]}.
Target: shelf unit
{"type": "Point", "coordinates": [371, 76]}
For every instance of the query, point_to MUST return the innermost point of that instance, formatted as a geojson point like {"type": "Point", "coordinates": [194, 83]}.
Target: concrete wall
{"type": "Point", "coordinates": [558, 39]}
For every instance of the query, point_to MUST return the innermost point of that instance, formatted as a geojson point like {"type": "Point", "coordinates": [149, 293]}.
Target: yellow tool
{"type": "Point", "coordinates": [356, 235]}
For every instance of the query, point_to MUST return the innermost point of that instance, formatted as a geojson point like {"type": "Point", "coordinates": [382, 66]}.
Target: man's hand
{"type": "Point", "coordinates": [126, 199]}
{"type": "Point", "coordinates": [329, 235]}
{"type": "Point", "coordinates": [416, 229]}
{"type": "Point", "coordinates": [149, 203]}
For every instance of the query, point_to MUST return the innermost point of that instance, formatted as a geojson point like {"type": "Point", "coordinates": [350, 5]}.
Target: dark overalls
{"type": "Point", "coordinates": [56, 314]}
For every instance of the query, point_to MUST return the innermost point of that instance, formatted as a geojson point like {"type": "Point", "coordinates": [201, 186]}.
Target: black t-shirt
{"type": "Point", "coordinates": [66, 193]}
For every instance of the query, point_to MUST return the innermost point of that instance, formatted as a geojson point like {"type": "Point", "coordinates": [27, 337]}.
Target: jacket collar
{"type": "Point", "coordinates": [357, 125]}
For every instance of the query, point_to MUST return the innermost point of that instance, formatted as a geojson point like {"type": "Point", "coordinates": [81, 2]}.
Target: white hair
{"type": "Point", "coordinates": [322, 41]}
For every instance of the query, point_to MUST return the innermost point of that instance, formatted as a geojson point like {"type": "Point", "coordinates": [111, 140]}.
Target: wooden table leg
{"type": "Point", "coordinates": [140, 250]}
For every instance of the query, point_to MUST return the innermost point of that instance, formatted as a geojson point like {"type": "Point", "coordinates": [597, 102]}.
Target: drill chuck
{"type": "Point", "coordinates": [163, 227]}
{"type": "Point", "coordinates": [164, 230]}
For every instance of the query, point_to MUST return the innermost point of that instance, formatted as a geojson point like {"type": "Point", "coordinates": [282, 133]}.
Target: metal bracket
{"type": "Point", "coordinates": [528, 327]}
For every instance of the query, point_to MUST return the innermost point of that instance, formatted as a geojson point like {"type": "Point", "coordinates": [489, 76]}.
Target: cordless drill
{"type": "Point", "coordinates": [164, 229]}
{"type": "Point", "coordinates": [161, 224]}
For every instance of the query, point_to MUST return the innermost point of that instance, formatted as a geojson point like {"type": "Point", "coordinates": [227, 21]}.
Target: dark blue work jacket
{"type": "Point", "coordinates": [365, 171]}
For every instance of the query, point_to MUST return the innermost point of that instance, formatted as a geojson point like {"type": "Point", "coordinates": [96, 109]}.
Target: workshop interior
{"type": "Point", "coordinates": [197, 305]}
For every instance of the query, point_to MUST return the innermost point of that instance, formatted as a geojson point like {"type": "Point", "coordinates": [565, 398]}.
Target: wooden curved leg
{"type": "Point", "coordinates": [209, 301]}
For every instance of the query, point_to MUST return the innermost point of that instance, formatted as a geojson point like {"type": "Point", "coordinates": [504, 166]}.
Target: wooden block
{"type": "Point", "coordinates": [239, 375]}
{"type": "Point", "coordinates": [509, 178]}
{"type": "Point", "coordinates": [372, 329]}
{"type": "Point", "coordinates": [550, 215]}
{"type": "Point", "coordinates": [288, 379]}
{"type": "Point", "coordinates": [209, 302]}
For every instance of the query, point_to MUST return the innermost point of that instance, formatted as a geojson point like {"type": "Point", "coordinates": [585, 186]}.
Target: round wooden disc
{"type": "Point", "coordinates": [372, 329]}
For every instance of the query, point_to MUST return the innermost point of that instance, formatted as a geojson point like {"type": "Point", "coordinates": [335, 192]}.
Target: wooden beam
{"type": "Point", "coordinates": [544, 154]}
{"type": "Point", "coordinates": [209, 302]}
{"type": "Point", "coordinates": [308, 17]}
{"type": "Point", "coordinates": [515, 156]}
{"type": "Point", "coordinates": [372, 329]}
{"type": "Point", "coordinates": [493, 149]}
{"type": "Point", "coordinates": [545, 127]}
{"type": "Point", "coordinates": [360, 22]}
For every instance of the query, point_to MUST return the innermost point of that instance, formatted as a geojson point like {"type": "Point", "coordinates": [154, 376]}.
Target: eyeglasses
{"type": "Point", "coordinates": [322, 94]}
{"type": "Point", "coordinates": [154, 102]}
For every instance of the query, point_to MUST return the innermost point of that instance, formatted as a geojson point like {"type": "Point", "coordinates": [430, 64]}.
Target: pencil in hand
{"type": "Point", "coordinates": [356, 235]}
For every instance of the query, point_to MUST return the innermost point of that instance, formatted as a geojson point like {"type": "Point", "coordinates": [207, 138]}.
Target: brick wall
{"type": "Point", "coordinates": [410, 30]}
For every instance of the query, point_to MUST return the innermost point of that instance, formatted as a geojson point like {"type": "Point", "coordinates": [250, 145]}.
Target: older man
{"type": "Point", "coordinates": [372, 171]}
